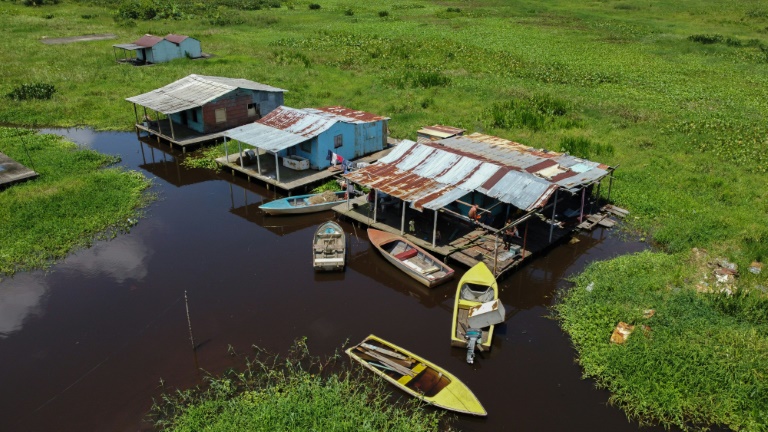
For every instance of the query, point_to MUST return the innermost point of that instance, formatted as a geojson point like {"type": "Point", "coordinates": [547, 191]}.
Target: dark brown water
{"type": "Point", "coordinates": [85, 346]}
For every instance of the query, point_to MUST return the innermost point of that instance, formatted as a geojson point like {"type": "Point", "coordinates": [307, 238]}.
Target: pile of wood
{"type": "Point", "coordinates": [327, 196]}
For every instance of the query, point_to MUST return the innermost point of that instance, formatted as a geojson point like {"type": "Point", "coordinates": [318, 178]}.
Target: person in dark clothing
{"type": "Point", "coordinates": [509, 233]}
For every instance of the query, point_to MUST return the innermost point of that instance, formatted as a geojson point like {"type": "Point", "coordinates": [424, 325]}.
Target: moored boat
{"type": "Point", "coordinates": [329, 247]}
{"type": "Point", "coordinates": [416, 376]}
{"type": "Point", "coordinates": [299, 204]}
{"type": "Point", "coordinates": [477, 287]}
{"type": "Point", "coordinates": [411, 259]}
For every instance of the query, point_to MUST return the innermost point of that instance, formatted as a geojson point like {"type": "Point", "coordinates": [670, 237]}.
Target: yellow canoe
{"type": "Point", "coordinates": [416, 376]}
{"type": "Point", "coordinates": [476, 287]}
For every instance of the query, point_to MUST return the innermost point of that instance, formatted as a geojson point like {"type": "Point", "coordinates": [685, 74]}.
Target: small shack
{"type": "Point", "coordinates": [151, 49]}
{"type": "Point", "coordinates": [320, 136]}
{"type": "Point", "coordinates": [505, 183]}
{"type": "Point", "coordinates": [198, 108]}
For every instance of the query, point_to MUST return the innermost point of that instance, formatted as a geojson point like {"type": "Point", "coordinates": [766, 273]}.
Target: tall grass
{"type": "Point", "coordinates": [76, 199]}
{"type": "Point", "coordinates": [296, 393]}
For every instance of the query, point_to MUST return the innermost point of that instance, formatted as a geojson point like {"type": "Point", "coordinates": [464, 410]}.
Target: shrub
{"type": "Point", "coordinates": [584, 147]}
{"type": "Point", "coordinates": [314, 6]}
{"type": "Point", "coordinates": [706, 39]}
{"type": "Point", "coordinates": [349, 12]}
{"type": "Point", "coordinates": [450, 9]}
{"type": "Point", "coordinates": [32, 91]}
{"type": "Point", "coordinates": [383, 14]}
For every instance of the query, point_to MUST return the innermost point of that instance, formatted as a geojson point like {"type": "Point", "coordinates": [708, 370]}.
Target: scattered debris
{"type": "Point", "coordinates": [590, 287]}
{"type": "Point", "coordinates": [327, 196]}
{"type": "Point", "coordinates": [649, 313]}
{"type": "Point", "coordinates": [756, 267]}
{"type": "Point", "coordinates": [621, 332]}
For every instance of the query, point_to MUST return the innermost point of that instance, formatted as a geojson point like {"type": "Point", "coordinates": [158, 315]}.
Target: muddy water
{"type": "Point", "coordinates": [87, 345]}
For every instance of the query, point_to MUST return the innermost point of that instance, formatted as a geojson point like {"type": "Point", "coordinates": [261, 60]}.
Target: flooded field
{"type": "Point", "coordinates": [87, 345]}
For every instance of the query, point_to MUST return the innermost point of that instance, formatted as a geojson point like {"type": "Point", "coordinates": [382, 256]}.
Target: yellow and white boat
{"type": "Point", "coordinates": [416, 376]}
{"type": "Point", "coordinates": [477, 286]}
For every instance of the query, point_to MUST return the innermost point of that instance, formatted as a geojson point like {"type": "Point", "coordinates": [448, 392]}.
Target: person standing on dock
{"type": "Point", "coordinates": [509, 233]}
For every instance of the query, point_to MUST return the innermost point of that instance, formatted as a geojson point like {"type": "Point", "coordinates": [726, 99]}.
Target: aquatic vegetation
{"type": "Point", "coordinates": [295, 392]}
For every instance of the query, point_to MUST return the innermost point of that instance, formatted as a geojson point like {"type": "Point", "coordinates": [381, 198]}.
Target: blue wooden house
{"type": "Point", "coordinates": [317, 135]}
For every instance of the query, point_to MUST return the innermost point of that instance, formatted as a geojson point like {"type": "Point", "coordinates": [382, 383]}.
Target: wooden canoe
{"type": "Point", "coordinates": [411, 259]}
{"type": "Point", "coordinates": [476, 287]}
{"type": "Point", "coordinates": [300, 204]}
{"type": "Point", "coordinates": [329, 247]}
{"type": "Point", "coordinates": [416, 376]}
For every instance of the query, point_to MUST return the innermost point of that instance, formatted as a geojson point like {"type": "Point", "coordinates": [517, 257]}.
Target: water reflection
{"type": "Point", "coordinates": [20, 297]}
{"type": "Point", "coordinates": [121, 259]}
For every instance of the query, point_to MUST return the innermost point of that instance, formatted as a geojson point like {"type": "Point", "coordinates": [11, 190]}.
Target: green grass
{"type": "Point", "coordinates": [295, 393]}
{"type": "Point", "coordinates": [671, 92]}
{"type": "Point", "coordinates": [705, 358]}
{"type": "Point", "coordinates": [75, 200]}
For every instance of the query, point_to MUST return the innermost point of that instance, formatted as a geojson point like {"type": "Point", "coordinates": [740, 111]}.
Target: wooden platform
{"type": "Point", "coordinates": [180, 135]}
{"type": "Point", "coordinates": [12, 172]}
{"type": "Point", "coordinates": [290, 179]}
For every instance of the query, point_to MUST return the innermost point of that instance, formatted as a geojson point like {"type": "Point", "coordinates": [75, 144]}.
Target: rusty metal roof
{"type": "Point", "coordinates": [441, 131]}
{"type": "Point", "coordinates": [285, 127]}
{"type": "Point", "coordinates": [434, 174]}
{"type": "Point", "coordinates": [177, 39]}
{"type": "Point", "coordinates": [148, 41]}
{"type": "Point", "coordinates": [562, 169]}
{"type": "Point", "coordinates": [194, 91]}
{"type": "Point", "coordinates": [346, 115]}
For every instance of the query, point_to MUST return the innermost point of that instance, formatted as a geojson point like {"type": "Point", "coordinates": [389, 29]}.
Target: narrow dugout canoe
{"type": "Point", "coordinates": [416, 376]}
{"type": "Point", "coordinates": [411, 259]}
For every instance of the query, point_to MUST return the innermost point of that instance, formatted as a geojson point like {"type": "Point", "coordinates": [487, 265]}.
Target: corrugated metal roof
{"type": "Point", "coordinates": [148, 41]}
{"type": "Point", "coordinates": [264, 137]}
{"type": "Point", "coordinates": [128, 46]}
{"type": "Point", "coordinates": [434, 174]}
{"type": "Point", "coordinates": [346, 115]}
{"type": "Point", "coordinates": [194, 91]}
{"type": "Point", "coordinates": [177, 39]}
{"type": "Point", "coordinates": [441, 131]}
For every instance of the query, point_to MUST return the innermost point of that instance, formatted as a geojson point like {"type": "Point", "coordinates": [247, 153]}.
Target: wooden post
{"type": "Point", "coordinates": [597, 197]}
{"type": "Point", "coordinates": [525, 239]}
{"type": "Point", "coordinates": [402, 220]}
{"type": "Point", "coordinates": [226, 150]}
{"type": "Point", "coordinates": [170, 122]}
{"type": "Point", "coordinates": [552, 221]}
{"type": "Point", "coordinates": [277, 167]}
{"type": "Point", "coordinates": [610, 186]}
{"type": "Point", "coordinates": [159, 131]}
{"type": "Point", "coordinates": [583, 194]}
{"type": "Point", "coordinates": [434, 230]}
{"type": "Point", "coordinates": [258, 160]}
{"type": "Point", "coordinates": [189, 322]}
{"type": "Point", "coordinates": [375, 203]}
{"type": "Point", "coordinates": [495, 253]}
{"type": "Point", "coordinates": [240, 152]}
{"type": "Point", "coordinates": [136, 113]}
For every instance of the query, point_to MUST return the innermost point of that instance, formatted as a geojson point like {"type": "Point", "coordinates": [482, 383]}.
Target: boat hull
{"type": "Point", "coordinates": [286, 206]}
{"type": "Point", "coordinates": [452, 395]}
{"type": "Point", "coordinates": [420, 265]}
{"type": "Point", "coordinates": [329, 247]}
{"type": "Point", "coordinates": [480, 276]}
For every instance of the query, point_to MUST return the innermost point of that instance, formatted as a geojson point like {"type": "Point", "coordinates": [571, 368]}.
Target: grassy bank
{"type": "Point", "coordinates": [295, 393]}
{"type": "Point", "coordinates": [674, 93]}
{"type": "Point", "coordinates": [77, 198]}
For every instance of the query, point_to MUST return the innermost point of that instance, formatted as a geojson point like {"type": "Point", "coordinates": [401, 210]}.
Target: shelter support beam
{"type": "Point", "coordinates": [552, 221]}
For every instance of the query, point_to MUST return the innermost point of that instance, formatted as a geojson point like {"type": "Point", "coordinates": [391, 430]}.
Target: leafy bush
{"type": "Point", "coordinates": [536, 113]}
{"type": "Point", "coordinates": [383, 14]}
{"type": "Point", "coordinates": [450, 9]}
{"type": "Point", "coordinates": [585, 148]}
{"type": "Point", "coordinates": [706, 39]}
{"type": "Point", "coordinates": [349, 12]}
{"type": "Point", "coordinates": [39, 2]}
{"type": "Point", "coordinates": [314, 6]}
{"type": "Point", "coordinates": [32, 91]}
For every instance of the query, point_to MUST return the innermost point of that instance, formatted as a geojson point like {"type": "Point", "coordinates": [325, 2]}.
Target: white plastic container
{"type": "Point", "coordinates": [486, 314]}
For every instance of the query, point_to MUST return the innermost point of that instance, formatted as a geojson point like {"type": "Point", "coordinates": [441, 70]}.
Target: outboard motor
{"type": "Point", "coordinates": [473, 336]}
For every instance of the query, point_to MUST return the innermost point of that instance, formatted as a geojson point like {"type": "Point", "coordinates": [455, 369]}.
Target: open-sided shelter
{"type": "Point", "coordinates": [499, 175]}
{"type": "Point", "coordinates": [317, 135]}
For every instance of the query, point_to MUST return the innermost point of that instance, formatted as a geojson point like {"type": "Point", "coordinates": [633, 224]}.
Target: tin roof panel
{"type": "Point", "coordinates": [193, 91]}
